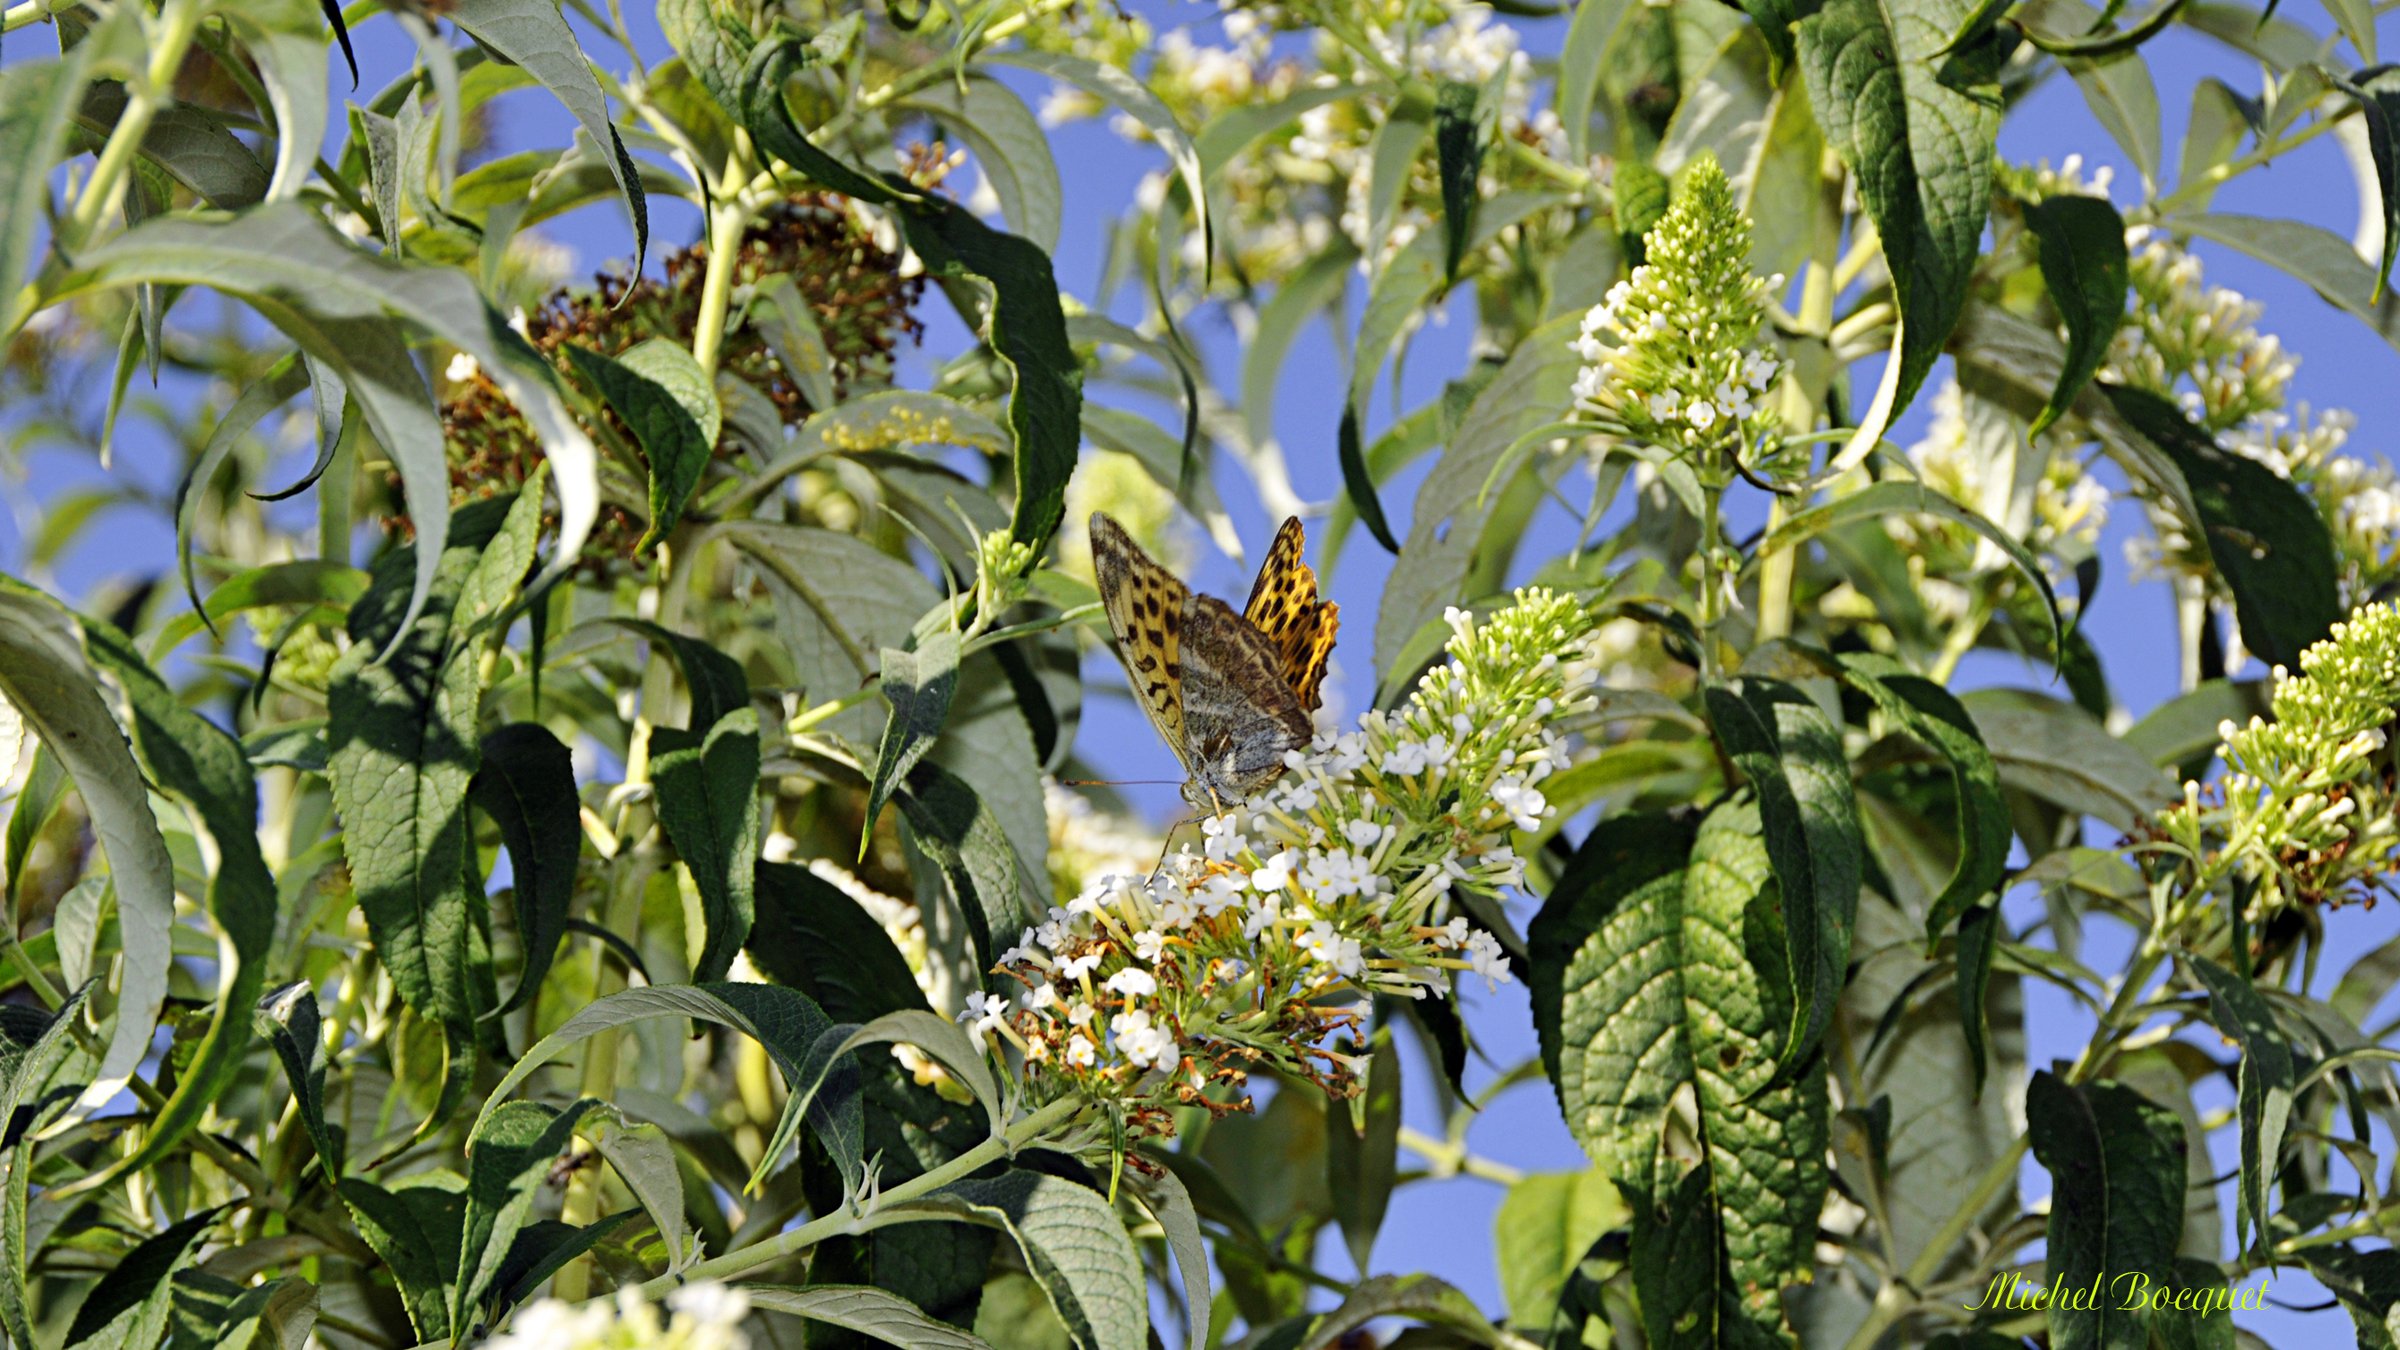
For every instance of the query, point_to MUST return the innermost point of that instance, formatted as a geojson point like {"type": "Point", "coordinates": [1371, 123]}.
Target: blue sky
{"type": "Point", "coordinates": [1445, 1227]}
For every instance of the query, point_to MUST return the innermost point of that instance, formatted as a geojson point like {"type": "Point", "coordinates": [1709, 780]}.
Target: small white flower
{"type": "Point", "coordinates": [462, 368]}
{"type": "Point", "coordinates": [1275, 874]}
{"type": "Point", "coordinates": [1149, 944]}
{"type": "Point", "coordinates": [1081, 1052]}
{"type": "Point", "coordinates": [1076, 967]}
{"type": "Point", "coordinates": [1264, 915]}
{"type": "Point", "coordinates": [1133, 982]}
{"type": "Point", "coordinates": [1486, 959]}
{"type": "Point", "coordinates": [1365, 834]}
{"type": "Point", "coordinates": [1080, 1013]}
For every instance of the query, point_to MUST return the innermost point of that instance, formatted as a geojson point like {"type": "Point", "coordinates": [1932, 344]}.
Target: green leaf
{"type": "Point", "coordinates": [1446, 530]}
{"type": "Point", "coordinates": [2368, 1285]}
{"type": "Point", "coordinates": [403, 749]}
{"type": "Point", "coordinates": [1792, 754]}
{"type": "Point", "coordinates": [1916, 129]}
{"type": "Point", "coordinates": [288, 1020]}
{"type": "Point", "coordinates": [1360, 1163]}
{"type": "Point", "coordinates": [919, 686]}
{"type": "Point", "coordinates": [1589, 36]}
{"type": "Point", "coordinates": [662, 394]}
{"type": "Point", "coordinates": [869, 1311]}
{"type": "Point", "coordinates": [534, 34]}
{"type": "Point", "coordinates": [2311, 254]}
{"type": "Point", "coordinates": [1674, 1254]}
{"type": "Point", "coordinates": [715, 680]}
{"type": "Point", "coordinates": [708, 803]}
{"type": "Point", "coordinates": [1027, 326]}
{"type": "Point", "coordinates": [415, 1229]}
{"type": "Point", "coordinates": [2116, 1202]}
{"type": "Point", "coordinates": [39, 1055]}
{"type": "Point", "coordinates": [644, 1160]}
{"type": "Point", "coordinates": [1460, 130]}
{"type": "Point", "coordinates": [215, 1312]}
{"type": "Point", "coordinates": [1658, 972]}
{"type": "Point", "coordinates": [1074, 1246]}
{"type": "Point", "coordinates": [508, 1157]}
{"type": "Point", "coordinates": [1170, 1204]}
{"type": "Point", "coordinates": [1418, 1298]}
{"type": "Point", "coordinates": [307, 583]}
{"type": "Point", "coordinates": [2062, 754]}
{"type": "Point", "coordinates": [2379, 107]}
{"type": "Point", "coordinates": [1907, 497]}
{"type": "Point", "coordinates": [785, 1021]}
{"type": "Point", "coordinates": [1010, 147]}
{"type": "Point", "coordinates": [811, 935]}
{"type": "Point", "coordinates": [46, 675]}
{"type": "Point", "coordinates": [526, 784]}
{"type": "Point", "coordinates": [332, 299]}
{"type": "Point", "coordinates": [2081, 246]}
{"type": "Point", "coordinates": [1546, 1223]}
{"type": "Point", "coordinates": [1111, 85]}
{"type": "Point", "coordinates": [1928, 714]}
{"type": "Point", "coordinates": [130, 1307]}
{"type": "Point", "coordinates": [1307, 293]}
{"type": "Point", "coordinates": [2267, 539]}
{"type": "Point", "coordinates": [960, 831]}
{"type": "Point", "coordinates": [193, 144]}
{"type": "Point", "coordinates": [2267, 1078]}
{"type": "Point", "coordinates": [291, 64]}
{"type": "Point", "coordinates": [789, 323]}
{"type": "Point", "coordinates": [35, 100]}
{"type": "Point", "coordinates": [201, 765]}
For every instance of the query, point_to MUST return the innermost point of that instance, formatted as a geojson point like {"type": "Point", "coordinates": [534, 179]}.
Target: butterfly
{"type": "Point", "coordinates": [1229, 693]}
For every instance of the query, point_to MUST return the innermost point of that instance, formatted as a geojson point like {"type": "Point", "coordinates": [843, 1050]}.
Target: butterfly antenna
{"type": "Point", "coordinates": [1119, 782]}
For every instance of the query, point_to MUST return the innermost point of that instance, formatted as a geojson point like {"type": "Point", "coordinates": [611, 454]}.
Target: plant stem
{"type": "Point", "coordinates": [1450, 1159]}
{"type": "Point", "coordinates": [726, 221]}
{"type": "Point", "coordinates": [179, 20]}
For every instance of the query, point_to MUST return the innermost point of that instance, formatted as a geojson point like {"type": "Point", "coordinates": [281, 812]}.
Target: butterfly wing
{"type": "Point", "coordinates": [1284, 608]}
{"type": "Point", "coordinates": [1146, 605]}
{"type": "Point", "coordinates": [1239, 713]}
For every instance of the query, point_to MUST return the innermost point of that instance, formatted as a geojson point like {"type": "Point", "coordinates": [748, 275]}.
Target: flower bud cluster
{"type": "Point", "coordinates": [1671, 354]}
{"type": "Point", "coordinates": [2308, 802]}
{"type": "Point", "coordinates": [1339, 882]}
{"type": "Point", "coordinates": [2197, 344]}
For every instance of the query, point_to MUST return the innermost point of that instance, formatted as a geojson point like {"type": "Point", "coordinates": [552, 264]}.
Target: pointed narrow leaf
{"type": "Point", "coordinates": [200, 764]}
{"type": "Point", "coordinates": [1362, 1163]}
{"type": "Point", "coordinates": [1075, 1247]}
{"type": "Point", "coordinates": [1917, 131]}
{"type": "Point", "coordinates": [535, 35]}
{"type": "Point", "coordinates": [2266, 1078]}
{"type": "Point", "coordinates": [526, 784]}
{"type": "Point", "coordinates": [508, 1156]}
{"type": "Point", "coordinates": [2116, 1168]}
{"type": "Point", "coordinates": [708, 802]}
{"type": "Point", "coordinates": [2080, 242]}
{"type": "Point", "coordinates": [403, 751]}
{"type": "Point", "coordinates": [332, 298]}
{"type": "Point", "coordinates": [1792, 755]}
{"type": "Point", "coordinates": [919, 685]}
{"type": "Point", "coordinates": [662, 394]}
{"type": "Point", "coordinates": [289, 1020]}
{"type": "Point", "coordinates": [872, 1312]}
{"type": "Point", "coordinates": [130, 1307]}
{"type": "Point", "coordinates": [1459, 132]}
{"type": "Point", "coordinates": [2267, 539]}
{"type": "Point", "coordinates": [414, 1228]}
{"type": "Point", "coordinates": [46, 675]}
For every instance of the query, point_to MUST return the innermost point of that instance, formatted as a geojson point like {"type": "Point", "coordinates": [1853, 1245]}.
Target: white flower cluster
{"type": "Point", "coordinates": [706, 1316]}
{"type": "Point", "coordinates": [1669, 353]}
{"type": "Point", "coordinates": [1340, 879]}
{"type": "Point", "coordinates": [2308, 796]}
{"type": "Point", "coordinates": [2197, 344]}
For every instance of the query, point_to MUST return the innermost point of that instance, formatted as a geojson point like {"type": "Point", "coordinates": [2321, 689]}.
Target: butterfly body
{"type": "Point", "coordinates": [1230, 693]}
